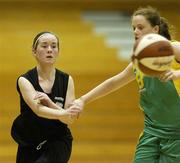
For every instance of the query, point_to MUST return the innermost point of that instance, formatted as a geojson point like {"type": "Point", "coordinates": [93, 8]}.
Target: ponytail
{"type": "Point", "coordinates": [164, 28]}
{"type": "Point", "coordinates": [154, 18]}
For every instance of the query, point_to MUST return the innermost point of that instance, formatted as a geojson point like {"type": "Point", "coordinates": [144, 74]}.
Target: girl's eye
{"type": "Point", "coordinates": [44, 46]}
{"type": "Point", "coordinates": [140, 28]}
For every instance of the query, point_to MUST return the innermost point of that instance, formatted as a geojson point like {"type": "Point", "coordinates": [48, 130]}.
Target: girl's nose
{"type": "Point", "coordinates": [135, 31]}
{"type": "Point", "coordinates": [49, 49]}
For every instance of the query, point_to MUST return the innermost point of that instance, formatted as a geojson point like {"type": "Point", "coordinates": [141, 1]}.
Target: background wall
{"type": "Point", "coordinates": [108, 130]}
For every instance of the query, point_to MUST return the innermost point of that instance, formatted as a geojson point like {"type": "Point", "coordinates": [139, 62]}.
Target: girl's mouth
{"type": "Point", "coordinates": [49, 57]}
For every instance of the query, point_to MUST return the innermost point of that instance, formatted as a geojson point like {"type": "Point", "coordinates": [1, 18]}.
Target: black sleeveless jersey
{"type": "Point", "coordinates": [28, 128]}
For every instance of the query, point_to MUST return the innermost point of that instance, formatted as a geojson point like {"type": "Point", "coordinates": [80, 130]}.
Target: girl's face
{"type": "Point", "coordinates": [141, 26]}
{"type": "Point", "coordinates": [47, 49]}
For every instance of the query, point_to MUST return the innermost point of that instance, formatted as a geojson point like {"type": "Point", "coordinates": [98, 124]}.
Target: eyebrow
{"type": "Point", "coordinates": [45, 42]}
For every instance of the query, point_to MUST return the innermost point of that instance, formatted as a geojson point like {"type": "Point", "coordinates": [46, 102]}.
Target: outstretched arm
{"type": "Point", "coordinates": [106, 87]}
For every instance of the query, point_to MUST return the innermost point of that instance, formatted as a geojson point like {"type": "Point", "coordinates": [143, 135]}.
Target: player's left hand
{"type": "Point", "coordinates": [169, 75]}
{"type": "Point", "coordinates": [78, 104]}
{"type": "Point", "coordinates": [43, 98]}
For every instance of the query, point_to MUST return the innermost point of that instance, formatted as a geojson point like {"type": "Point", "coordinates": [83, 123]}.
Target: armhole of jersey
{"type": "Point", "coordinates": [66, 82]}
{"type": "Point", "coordinates": [17, 85]}
{"type": "Point", "coordinates": [62, 79]}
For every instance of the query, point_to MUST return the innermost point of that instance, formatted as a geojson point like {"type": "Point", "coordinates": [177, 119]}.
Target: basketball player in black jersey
{"type": "Point", "coordinates": [41, 130]}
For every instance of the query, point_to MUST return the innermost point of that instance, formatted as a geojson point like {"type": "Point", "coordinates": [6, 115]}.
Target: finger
{"type": "Point", "coordinates": [74, 112]}
{"type": "Point", "coordinates": [37, 97]}
{"type": "Point", "coordinates": [38, 93]}
{"type": "Point", "coordinates": [74, 107]}
{"type": "Point", "coordinates": [38, 101]}
{"type": "Point", "coordinates": [78, 115]}
{"type": "Point", "coordinates": [71, 104]}
{"type": "Point", "coordinates": [168, 78]}
{"type": "Point", "coordinates": [161, 76]}
{"type": "Point", "coordinates": [165, 76]}
{"type": "Point", "coordinates": [40, 98]}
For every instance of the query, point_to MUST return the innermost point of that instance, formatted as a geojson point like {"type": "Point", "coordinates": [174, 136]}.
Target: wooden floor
{"type": "Point", "coordinates": [96, 152]}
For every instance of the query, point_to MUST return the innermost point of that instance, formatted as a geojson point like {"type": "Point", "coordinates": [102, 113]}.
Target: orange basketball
{"type": "Point", "coordinates": [153, 54]}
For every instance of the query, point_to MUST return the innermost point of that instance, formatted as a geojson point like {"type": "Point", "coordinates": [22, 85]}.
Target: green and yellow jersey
{"type": "Point", "coordinates": [160, 102]}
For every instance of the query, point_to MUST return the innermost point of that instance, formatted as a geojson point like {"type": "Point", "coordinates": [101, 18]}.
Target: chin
{"type": "Point", "coordinates": [49, 63]}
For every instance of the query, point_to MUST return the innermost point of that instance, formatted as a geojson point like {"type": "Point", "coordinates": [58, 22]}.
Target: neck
{"type": "Point", "coordinates": [46, 72]}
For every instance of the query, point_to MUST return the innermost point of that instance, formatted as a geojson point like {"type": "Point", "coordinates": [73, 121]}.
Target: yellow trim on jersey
{"type": "Point", "coordinates": [141, 134]}
{"type": "Point", "coordinates": [141, 108]}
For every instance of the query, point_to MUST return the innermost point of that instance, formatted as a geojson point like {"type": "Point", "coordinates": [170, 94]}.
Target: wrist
{"type": "Point", "coordinates": [83, 100]}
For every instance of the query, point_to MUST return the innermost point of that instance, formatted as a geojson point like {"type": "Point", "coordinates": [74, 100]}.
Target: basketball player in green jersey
{"type": "Point", "coordinates": [159, 97]}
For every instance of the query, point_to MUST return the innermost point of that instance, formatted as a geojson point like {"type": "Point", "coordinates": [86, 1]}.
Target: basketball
{"type": "Point", "coordinates": [153, 54]}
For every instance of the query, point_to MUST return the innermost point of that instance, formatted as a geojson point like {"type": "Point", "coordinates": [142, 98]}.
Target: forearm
{"type": "Point", "coordinates": [101, 90]}
{"type": "Point", "coordinates": [51, 113]}
{"type": "Point", "coordinates": [110, 85]}
{"type": "Point", "coordinates": [47, 112]}
{"type": "Point", "coordinates": [39, 104]}
{"type": "Point", "coordinates": [53, 105]}
{"type": "Point", "coordinates": [64, 119]}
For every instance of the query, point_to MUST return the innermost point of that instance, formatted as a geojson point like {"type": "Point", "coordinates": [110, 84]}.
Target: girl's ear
{"type": "Point", "coordinates": [156, 29]}
{"type": "Point", "coordinates": [33, 52]}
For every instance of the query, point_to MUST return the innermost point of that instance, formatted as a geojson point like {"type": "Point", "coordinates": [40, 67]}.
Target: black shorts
{"type": "Point", "coordinates": [53, 151]}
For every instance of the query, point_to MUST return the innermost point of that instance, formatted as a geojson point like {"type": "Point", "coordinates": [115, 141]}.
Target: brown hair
{"type": "Point", "coordinates": [36, 39]}
{"type": "Point", "coordinates": [154, 18]}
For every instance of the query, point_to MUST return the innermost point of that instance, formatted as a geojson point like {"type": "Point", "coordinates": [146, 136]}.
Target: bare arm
{"type": "Point", "coordinates": [110, 85]}
{"type": "Point", "coordinates": [28, 93]}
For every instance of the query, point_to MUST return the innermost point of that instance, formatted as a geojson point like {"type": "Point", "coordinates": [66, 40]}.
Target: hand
{"type": "Point", "coordinates": [43, 98]}
{"type": "Point", "coordinates": [78, 104]}
{"type": "Point", "coordinates": [169, 75]}
{"type": "Point", "coordinates": [73, 112]}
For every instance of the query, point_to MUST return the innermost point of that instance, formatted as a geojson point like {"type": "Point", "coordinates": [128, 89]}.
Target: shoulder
{"type": "Point", "coordinates": [68, 78]}
{"type": "Point", "coordinates": [25, 78]}
{"type": "Point", "coordinates": [62, 76]}
{"type": "Point", "coordinates": [24, 85]}
{"type": "Point", "coordinates": [61, 73]}
{"type": "Point", "coordinates": [71, 81]}
{"type": "Point", "coordinates": [28, 74]}
{"type": "Point", "coordinates": [22, 81]}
